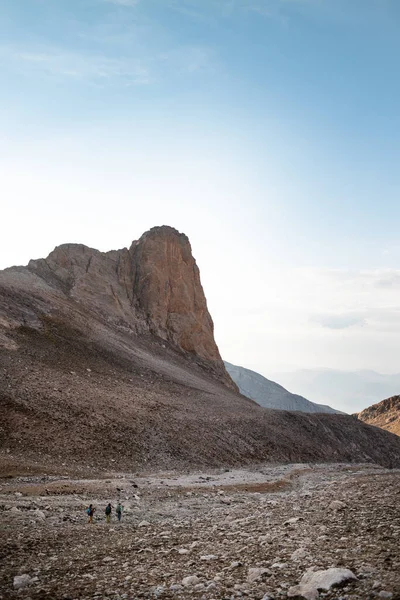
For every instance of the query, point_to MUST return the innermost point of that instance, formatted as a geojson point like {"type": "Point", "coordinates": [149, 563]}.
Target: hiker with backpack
{"type": "Point", "coordinates": [90, 511]}
{"type": "Point", "coordinates": [118, 510]}
{"type": "Point", "coordinates": [108, 512]}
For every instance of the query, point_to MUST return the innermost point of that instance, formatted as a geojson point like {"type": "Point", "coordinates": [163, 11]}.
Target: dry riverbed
{"type": "Point", "coordinates": [250, 533]}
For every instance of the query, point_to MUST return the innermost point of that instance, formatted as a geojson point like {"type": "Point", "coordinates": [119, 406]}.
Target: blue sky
{"type": "Point", "coordinates": [267, 130]}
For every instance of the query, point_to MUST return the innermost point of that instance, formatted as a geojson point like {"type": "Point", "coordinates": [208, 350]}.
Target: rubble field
{"type": "Point", "coordinates": [265, 532]}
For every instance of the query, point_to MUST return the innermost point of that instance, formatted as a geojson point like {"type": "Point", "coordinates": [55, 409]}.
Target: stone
{"type": "Point", "coordinates": [256, 573]}
{"type": "Point", "coordinates": [190, 580]}
{"type": "Point", "coordinates": [22, 581]}
{"type": "Point", "coordinates": [337, 505]}
{"type": "Point", "coordinates": [384, 594]}
{"type": "Point", "coordinates": [198, 587]}
{"type": "Point", "coordinates": [144, 524]}
{"type": "Point", "coordinates": [158, 591]}
{"type": "Point", "coordinates": [299, 554]}
{"type": "Point", "coordinates": [312, 581]}
{"type": "Point", "coordinates": [208, 557]}
{"type": "Point", "coordinates": [293, 520]}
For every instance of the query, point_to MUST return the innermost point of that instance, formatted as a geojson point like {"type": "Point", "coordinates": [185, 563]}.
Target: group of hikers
{"type": "Point", "coordinates": [91, 510]}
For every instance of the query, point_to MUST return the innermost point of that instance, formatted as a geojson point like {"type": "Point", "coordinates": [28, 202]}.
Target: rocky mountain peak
{"type": "Point", "coordinates": [167, 291]}
{"type": "Point", "coordinates": [154, 287]}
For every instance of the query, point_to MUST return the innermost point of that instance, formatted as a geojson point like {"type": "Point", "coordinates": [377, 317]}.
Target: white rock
{"type": "Point", "coordinates": [312, 581]}
{"type": "Point", "coordinates": [144, 524]}
{"type": "Point", "coordinates": [40, 514]}
{"type": "Point", "coordinates": [108, 559]}
{"type": "Point", "coordinates": [255, 573]}
{"type": "Point", "coordinates": [299, 554]}
{"type": "Point", "coordinates": [293, 520]}
{"type": "Point", "coordinates": [278, 565]}
{"type": "Point", "coordinates": [198, 587]}
{"type": "Point", "coordinates": [15, 510]}
{"type": "Point", "coordinates": [208, 557]}
{"type": "Point", "coordinates": [158, 591]}
{"type": "Point", "coordinates": [183, 551]}
{"type": "Point", "coordinates": [190, 580]}
{"type": "Point", "coordinates": [21, 581]}
{"type": "Point", "coordinates": [384, 594]}
{"type": "Point", "coordinates": [337, 505]}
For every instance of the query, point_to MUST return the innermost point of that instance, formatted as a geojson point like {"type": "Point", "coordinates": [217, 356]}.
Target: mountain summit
{"type": "Point", "coordinates": [109, 358]}
{"type": "Point", "coordinates": [152, 287]}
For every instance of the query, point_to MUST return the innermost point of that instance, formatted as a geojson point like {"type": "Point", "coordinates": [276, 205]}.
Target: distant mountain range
{"type": "Point", "coordinates": [350, 391]}
{"type": "Point", "coordinates": [270, 394]}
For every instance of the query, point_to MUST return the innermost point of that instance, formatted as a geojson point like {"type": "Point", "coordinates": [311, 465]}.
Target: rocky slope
{"type": "Point", "coordinates": [253, 534]}
{"type": "Point", "coordinates": [270, 394]}
{"type": "Point", "coordinates": [385, 414]}
{"type": "Point", "coordinates": [110, 358]}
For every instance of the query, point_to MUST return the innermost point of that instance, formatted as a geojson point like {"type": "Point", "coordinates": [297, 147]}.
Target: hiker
{"type": "Point", "coordinates": [108, 512]}
{"type": "Point", "coordinates": [118, 510]}
{"type": "Point", "coordinates": [90, 511]}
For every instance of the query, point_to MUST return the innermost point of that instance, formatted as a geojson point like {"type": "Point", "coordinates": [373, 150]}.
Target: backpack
{"type": "Point", "coordinates": [88, 511]}
{"type": "Point", "coordinates": [108, 510]}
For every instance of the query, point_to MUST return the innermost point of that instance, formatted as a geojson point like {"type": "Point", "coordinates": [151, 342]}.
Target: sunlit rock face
{"type": "Point", "coordinates": [154, 287]}
{"type": "Point", "coordinates": [385, 414]}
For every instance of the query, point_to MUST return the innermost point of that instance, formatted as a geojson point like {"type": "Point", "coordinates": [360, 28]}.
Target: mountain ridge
{"type": "Point", "coordinates": [384, 414]}
{"type": "Point", "coordinates": [269, 394]}
{"type": "Point", "coordinates": [111, 357]}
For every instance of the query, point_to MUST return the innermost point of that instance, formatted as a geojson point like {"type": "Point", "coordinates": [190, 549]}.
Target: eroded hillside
{"type": "Point", "coordinates": [385, 414]}
{"type": "Point", "coordinates": [110, 358]}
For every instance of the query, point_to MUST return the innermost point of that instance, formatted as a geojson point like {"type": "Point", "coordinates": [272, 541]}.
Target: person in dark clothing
{"type": "Point", "coordinates": [118, 510]}
{"type": "Point", "coordinates": [108, 512]}
{"type": "Point", "coordinates": [90, 511]}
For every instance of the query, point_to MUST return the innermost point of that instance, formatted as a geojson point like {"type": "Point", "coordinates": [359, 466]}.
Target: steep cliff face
{"type": "Point", "coordinates": [153, 287]}
{"type": "Point", "coordinates": [166, 289]}
{"type": "Point", "coordinates": [385, 414]}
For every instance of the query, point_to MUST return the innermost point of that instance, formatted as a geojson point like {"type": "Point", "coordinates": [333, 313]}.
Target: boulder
{"type": "Point", "coordinates": [312, 581]}
{"type": "Point", "coordinates": [190, 580]}
{"type": "Point", "coordinates": [256, 573]}
{"type": "Point", "coordinates": [22, 581]}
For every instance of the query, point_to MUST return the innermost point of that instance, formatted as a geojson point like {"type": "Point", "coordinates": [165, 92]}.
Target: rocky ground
{"type": "Point", "coordinates": [223, 534]}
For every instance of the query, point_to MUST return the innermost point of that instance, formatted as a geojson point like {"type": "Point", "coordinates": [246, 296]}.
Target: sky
{"type": "Point", "coordinates": [266, 130]}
